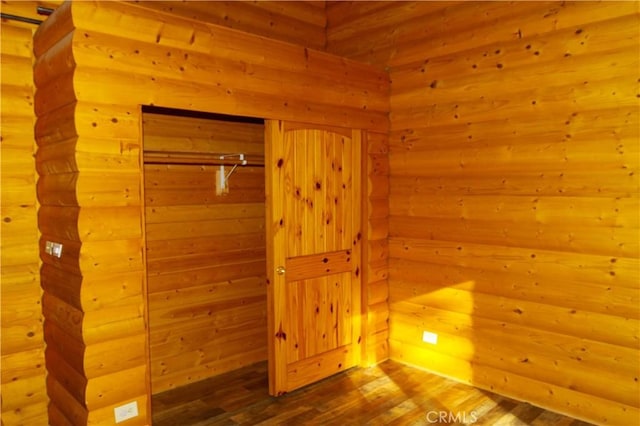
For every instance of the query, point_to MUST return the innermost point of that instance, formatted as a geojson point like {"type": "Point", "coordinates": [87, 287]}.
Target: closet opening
{"type": "Point", "coordinates": [205, 245]}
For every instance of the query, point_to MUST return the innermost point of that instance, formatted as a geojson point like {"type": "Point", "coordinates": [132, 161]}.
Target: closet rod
{"type": "Point", "coordinates": [41, 10]}
{"type": "Point", "coordinates": [208, 159]}
{"type": "Point", "coordinates": [17, 18]}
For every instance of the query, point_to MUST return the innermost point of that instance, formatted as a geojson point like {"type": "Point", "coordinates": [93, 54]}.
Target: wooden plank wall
{"type": "Point", "coordinates": [299, 22]}
{"type": "Point", "coordinates": [24, 396]}
{"type": "Point", "coordinates": [514, 163]}
{"type": "Point", "coordinates": [96, 63]}
{"type": "Point", "coordinates": [205, 252]}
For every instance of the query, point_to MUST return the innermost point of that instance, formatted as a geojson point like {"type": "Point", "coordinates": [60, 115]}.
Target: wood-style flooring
{"type": "Point", "coordinates": [388, 394]}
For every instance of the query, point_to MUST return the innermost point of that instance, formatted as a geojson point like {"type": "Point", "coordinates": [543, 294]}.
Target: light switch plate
{"type": "Point", "coordinates": [53, 249]}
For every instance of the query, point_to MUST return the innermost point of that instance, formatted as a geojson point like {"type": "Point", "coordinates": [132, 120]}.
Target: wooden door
{"type": "Point", "coordinates": [313, 252]}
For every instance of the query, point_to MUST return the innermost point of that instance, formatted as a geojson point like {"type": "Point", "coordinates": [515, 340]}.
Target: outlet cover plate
{"type": "Point", "coordinates": [429, 337]}
{"type": "Point", "coordinates": [126, 411]}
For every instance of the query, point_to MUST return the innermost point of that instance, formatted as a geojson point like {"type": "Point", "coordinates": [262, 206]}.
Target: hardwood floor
{"type": "Point", "coordinates": [388, 394]}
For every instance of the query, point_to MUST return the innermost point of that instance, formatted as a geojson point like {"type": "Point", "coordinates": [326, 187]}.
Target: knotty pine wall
{"type": "Point", "coordinates": [24, 397]}
{"type": "Point", "coordinates": [514, 164]}
{"type": "Point", "coordinates": [299, 22]}
{"type": "Point", "coordinates": [96, 63]}
{"type": "Point", "coordinates": [376, 249]}
{"type": "Point", "coordinates": [206, 266]}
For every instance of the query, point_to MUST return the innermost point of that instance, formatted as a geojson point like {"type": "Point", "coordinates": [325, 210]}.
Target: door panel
{"type": "Point", "coordinates": [314, 235]}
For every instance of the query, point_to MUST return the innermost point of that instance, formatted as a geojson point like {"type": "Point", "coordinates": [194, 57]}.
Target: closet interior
{"type": "Point", "coordinates": [204, 194]}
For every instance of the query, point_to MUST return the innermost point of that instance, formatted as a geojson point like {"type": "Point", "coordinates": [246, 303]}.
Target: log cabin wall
{"type": "Point", "coordinates": [24, 396]}
{"type": "Point", "coordinates": [96, 64]}
{"type": "Point", "coordinates": [514, 165]}
{"type": "Point", "coordinates": [376, 249]}
{"type": "Point", "coordinates": [298, 22]}
{"type": "Point", "coordinates": [206, 262]}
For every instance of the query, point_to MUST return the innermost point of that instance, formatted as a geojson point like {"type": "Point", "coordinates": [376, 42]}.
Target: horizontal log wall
{"type": "Point", "coordinates": [514, 164]}
{"type": "Point", "coordinates": [375, 285]}
{"type": "Point", "coordinates": [299, 22]}
{"type": "Point", "coordinates": [96, 64]}
{"type": "Point", "coordinates": [90, 194]}
{"type": "Point", "coordinates": [24, 395]}
{"type": "Point", "coordinates": [205, 252]}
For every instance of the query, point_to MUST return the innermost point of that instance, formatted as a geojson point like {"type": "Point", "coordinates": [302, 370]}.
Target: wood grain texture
{"type": "Point", "coordinates": [315, 265]}
{"type": "Point", "coordinates": [93, 293]}
{"type": "Point", "coordinates": [389, 393]}
{"type": "Point", "coordinates": [204, 327]}
{"type": "Point", "coordinates": [375, 249]}
{"type": "Point", "coordinates": [513, 201]}
{"type": "Point", "coordinates": [96, 63]}
{"type": "Point", "coordinates": [314, 223]}
{"type": "Point", "coordinates": [24, 396]}
{"type": "Point", "coordinates": [299, 22]}
{"type": "Point", "coordinates": [227, 68]}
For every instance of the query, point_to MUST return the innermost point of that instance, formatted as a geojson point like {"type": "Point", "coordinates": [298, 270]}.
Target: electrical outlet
{"type": "Point", "coordinates": [126, 411]}
{"type": "Point", "coordinates": [429, 337]}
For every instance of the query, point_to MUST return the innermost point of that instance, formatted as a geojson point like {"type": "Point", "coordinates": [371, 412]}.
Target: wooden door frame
{"type": "Point", "coordinates": [364, 252]}
{"type": "Point", "coordinates": [268, 176]}
{"type": "Point", "coordinates": [145, 275]}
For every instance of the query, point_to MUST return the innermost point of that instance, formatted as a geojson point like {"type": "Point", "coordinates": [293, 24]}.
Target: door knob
{"type": "Point", "coordinates": [280, 270]}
